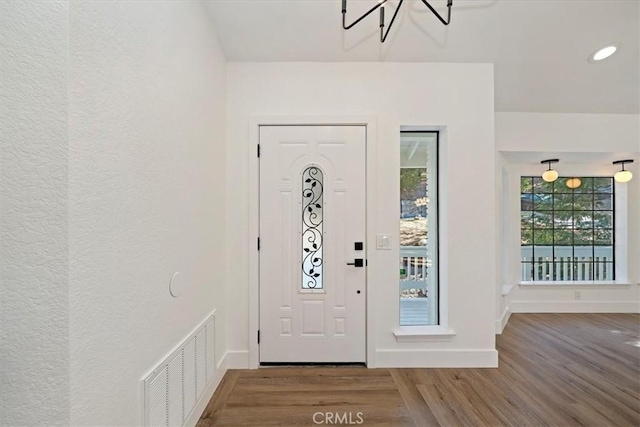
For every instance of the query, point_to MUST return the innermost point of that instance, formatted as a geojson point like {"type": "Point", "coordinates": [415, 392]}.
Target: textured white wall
{"type": "Point", "coordinates": [586, 143]}
{"type": "Point", "coordinates": [34, 340]}
{"type": "Point", "coordinates": [459, 96]}
{"type": "Point", "coordinates": [146, 190]}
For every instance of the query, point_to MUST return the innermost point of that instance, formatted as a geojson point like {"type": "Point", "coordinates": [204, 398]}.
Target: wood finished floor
{"type": "Point", "coordinates": [555, 370]}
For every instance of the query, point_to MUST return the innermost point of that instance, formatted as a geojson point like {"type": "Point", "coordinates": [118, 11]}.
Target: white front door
{"type": "Point", "coordinates": [312, 225]}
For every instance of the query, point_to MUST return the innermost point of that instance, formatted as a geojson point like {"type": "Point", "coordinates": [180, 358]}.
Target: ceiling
{"type": "Point", "coordinates": [539, 47]}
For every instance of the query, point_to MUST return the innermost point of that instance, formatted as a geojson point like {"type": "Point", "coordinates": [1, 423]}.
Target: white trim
{"type": "Point", "coordinates": [574, 307]}
{"type": "Point", "coordinates": [622, 219]}
{"type": "Point", "coordinates": [586, 284]}
{"type": "Point", "coordinates": [502, 321]}
{"type": "Point", "coordinates": [238, 359]}
{"type": "Point", "coordinates": [437, 358]}
{"type": "Point", "coordinates": [198, 410]}
{"type": "Point", "coordinates": [443, 206]}
{"type": "Point", "coordinates": [423, 333]}
{"type": "Point", "coordinates": [443, 224]}
{"type": "Point", "coordinates": [253, 356]}
{"type": "Point", "coordinates": [254, 226]}
{"type": "Point", "coordinates": [370, 221]}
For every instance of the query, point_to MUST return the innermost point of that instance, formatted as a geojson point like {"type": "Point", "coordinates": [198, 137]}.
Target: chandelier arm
{"type": "Point", "coordinates": [449, 4]}
{"type": "Point", "coordinates": [383, 35]}
{"type": "Point", "coordinates": [344, 14]}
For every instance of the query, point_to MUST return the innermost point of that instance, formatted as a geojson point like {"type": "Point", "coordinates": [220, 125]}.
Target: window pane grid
{"type": "Point", "coordinates": [567, 234]}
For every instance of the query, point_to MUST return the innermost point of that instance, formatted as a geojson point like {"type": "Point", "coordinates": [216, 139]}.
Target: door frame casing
{"type": "Point", "coordinates": [369, 122]}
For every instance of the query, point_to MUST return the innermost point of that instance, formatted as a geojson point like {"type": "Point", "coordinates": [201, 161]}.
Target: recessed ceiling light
{"type": "Point", "coordinates": [603, 53]}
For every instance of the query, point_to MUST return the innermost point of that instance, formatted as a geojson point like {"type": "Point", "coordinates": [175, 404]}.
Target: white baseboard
{"type": "Point", "coordinates": [574, 307]}
{"type": "Point", "coordinates": [502, 321]}
{"type": "Point", "coordinates": [238, 359]}
{"type": "Point", "coordinates": [437, 359]}
{"type": "Point", "coordinates": [198, 410]}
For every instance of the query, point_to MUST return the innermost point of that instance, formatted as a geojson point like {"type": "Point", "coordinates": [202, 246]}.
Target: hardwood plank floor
{"type": "Point", "coordinates": [555, 370]}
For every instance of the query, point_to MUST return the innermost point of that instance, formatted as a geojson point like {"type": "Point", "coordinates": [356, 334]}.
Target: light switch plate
{"type": "Point", "coordinates": [383, 241]}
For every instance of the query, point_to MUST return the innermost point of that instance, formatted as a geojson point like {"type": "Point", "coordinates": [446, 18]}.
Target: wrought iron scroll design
{"type": "Point", "coordinates": [312, 219]}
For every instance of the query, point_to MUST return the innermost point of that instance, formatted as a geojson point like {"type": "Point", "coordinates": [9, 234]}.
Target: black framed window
{"type": "Point", "coordinates": [567, 233]}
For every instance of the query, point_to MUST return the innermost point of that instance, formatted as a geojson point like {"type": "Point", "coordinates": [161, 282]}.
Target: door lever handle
{"type": "Point", "coordinates": [358, 262]}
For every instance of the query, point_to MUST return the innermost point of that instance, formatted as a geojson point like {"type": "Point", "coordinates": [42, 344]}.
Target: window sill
{"type": "Point", "coordinates": [423, 334]}
{"type": "Point", "coordinates": [570, 283]}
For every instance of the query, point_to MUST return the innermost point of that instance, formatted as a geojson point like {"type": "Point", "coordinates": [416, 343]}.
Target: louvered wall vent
{"type": "Point", "coordinates": [175, 385]}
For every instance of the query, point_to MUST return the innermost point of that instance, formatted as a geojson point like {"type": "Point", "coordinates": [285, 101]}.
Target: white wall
{"type": "Point", "coordinates": [637, 200]}
{"type": "Point", "coordinates": [586, 144]}
{"type": "Point", "coordinates": [458, 96]}
{"type": "Point", "coordinates": [504, 232]}
{"type": "Point", "coordinates": [34, 305]}
{"type": "Point", "coordinates": [147, 179]}
{"type": "Point", "coordinates": [548, 132]}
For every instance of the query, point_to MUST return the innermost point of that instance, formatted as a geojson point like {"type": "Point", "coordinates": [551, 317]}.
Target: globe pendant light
{"type": "Point", "coordinates": [623, 175]}
{"type": "Point", "coordinates": [550, 175]}
{"type": "Point", "coordinates": [574, 183]}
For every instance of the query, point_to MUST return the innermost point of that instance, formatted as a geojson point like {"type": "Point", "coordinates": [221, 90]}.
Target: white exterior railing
{"type": "Point", "coordinates": [414, 262]}
{"type": "Point", "coordinates": [571, 263]}
{"type": "Point", "coordinates": [418, 288]}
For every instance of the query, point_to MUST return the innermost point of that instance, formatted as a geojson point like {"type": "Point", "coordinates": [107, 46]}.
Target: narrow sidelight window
{"type": "Point", "coordinates": [419, 228]}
